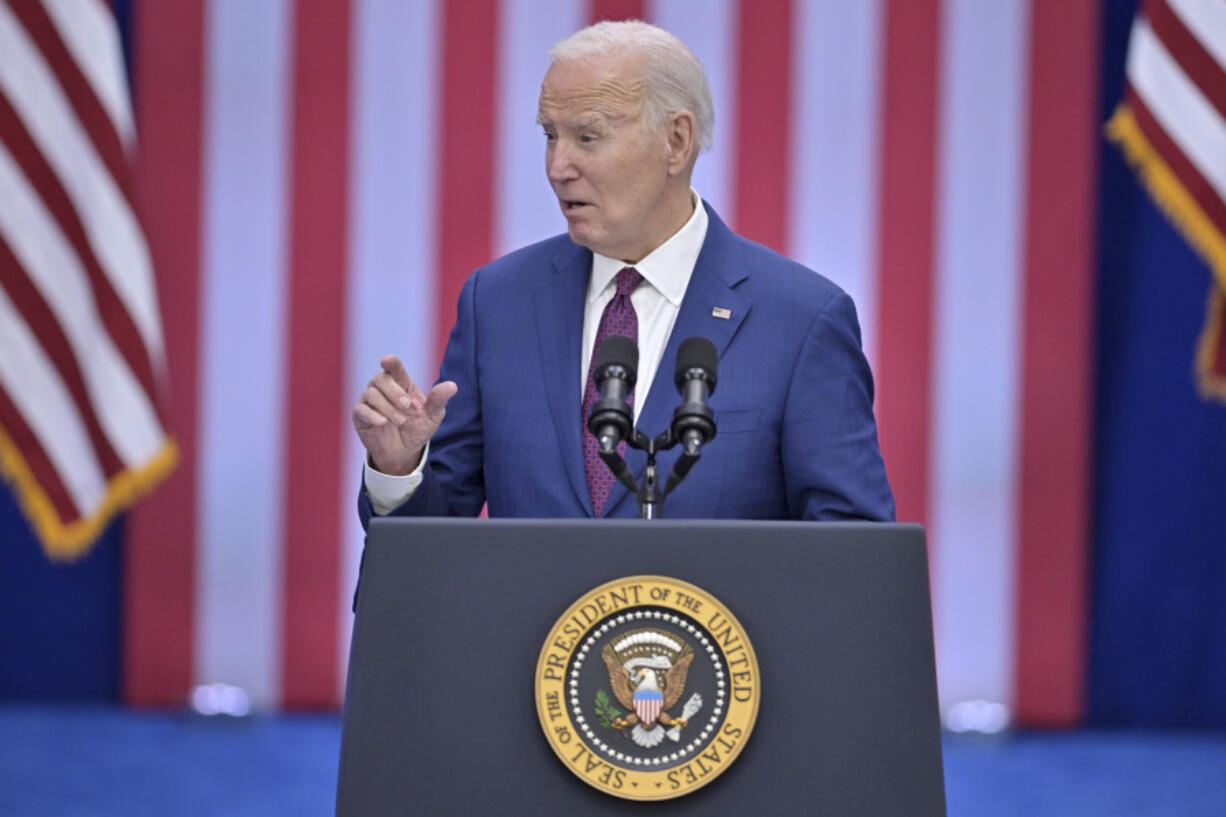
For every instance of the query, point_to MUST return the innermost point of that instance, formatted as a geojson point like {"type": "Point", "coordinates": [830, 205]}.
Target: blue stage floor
{"type": "Point", "coordinates": [108, 761]}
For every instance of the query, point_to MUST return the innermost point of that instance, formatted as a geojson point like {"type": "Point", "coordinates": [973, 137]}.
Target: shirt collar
{"type": "Point", "coordinates": [667, 268]}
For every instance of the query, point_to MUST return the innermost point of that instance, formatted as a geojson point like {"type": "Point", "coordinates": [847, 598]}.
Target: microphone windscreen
{"type": "Point", "coordinates": [621, 351]}
{"type": "Point", "coordinates": [696, 353]}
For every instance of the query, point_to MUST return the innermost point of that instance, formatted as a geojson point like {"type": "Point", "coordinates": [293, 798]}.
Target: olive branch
{"type": "Point", "coordinates": [605, 710]}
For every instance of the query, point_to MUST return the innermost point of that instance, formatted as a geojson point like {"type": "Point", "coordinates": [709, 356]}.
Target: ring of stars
{"type": "Point", "coordinates": [589, 644]}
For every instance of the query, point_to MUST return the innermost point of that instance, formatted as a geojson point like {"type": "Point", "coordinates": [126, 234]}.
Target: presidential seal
{"type": "Point", "coordinates": [647, 688]}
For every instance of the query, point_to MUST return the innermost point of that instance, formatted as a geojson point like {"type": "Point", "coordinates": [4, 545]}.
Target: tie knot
{"type": "Point", "coordinates": [627, 279]}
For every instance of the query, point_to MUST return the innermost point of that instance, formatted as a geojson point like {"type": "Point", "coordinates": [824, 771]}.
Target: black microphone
{"type": "Point", "coordinates": [616, 369]}
{"type": "Point", "coordinates": [694, 421]}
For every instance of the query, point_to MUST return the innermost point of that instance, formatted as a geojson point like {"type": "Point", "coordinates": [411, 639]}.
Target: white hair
{"type": "Point", "coordinates": [673, 77]}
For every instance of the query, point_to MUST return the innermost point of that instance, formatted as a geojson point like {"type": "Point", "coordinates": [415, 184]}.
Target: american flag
{"type": "Point", "coordinates": [82, 362]}
{"type": "Point", "coordinates": [1172, 125]}
{"type": "Point", "coordinates": [318, 178]}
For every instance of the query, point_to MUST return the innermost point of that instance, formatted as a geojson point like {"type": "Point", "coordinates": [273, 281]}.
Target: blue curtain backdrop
{"type": "Point", "coordinates": [1158, 630]}
{"type": "Point", "coordinates": [59, 623]}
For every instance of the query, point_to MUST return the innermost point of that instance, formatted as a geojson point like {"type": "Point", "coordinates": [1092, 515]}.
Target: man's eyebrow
{"type": "Point", "coordinates": [587, 123]}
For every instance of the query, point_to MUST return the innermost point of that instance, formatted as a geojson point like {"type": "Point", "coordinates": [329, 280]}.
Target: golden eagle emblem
{"type": "Point", "coordinates": [647, 671]}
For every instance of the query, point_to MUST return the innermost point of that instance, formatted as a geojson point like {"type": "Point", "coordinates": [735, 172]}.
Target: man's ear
{"type": "Point", "coordinates": [681, 144]}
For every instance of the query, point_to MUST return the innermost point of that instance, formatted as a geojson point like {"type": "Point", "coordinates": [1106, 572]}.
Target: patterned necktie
{"type": "Point", "coordinates": [619, 318]}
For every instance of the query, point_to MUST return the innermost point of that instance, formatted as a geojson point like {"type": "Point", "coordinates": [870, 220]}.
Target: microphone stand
{"type": "Point", "coordinates": [649, 494]}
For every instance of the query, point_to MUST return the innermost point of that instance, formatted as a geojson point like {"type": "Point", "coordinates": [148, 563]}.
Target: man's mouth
{"type": "Point", "coordinates": [571, 205]}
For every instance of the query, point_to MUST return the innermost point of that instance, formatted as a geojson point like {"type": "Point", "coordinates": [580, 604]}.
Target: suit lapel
{"type": "Point", "coordinates": [712, 287]}
{"type": "Point", "coordinates": [559, 322]}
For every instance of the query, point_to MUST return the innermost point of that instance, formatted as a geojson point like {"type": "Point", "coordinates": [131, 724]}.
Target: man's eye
{"type": "Point", "coordinates": [587, 138]}
{"type": "Point", "coordinates": [549, 137]}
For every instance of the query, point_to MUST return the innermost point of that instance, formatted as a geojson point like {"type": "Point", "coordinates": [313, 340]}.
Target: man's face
{"type": "Point", "coordinates": [607, 169]}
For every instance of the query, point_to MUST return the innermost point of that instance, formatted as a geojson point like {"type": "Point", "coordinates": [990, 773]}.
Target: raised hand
{"type": "Point", "coordinates": [394, 420]}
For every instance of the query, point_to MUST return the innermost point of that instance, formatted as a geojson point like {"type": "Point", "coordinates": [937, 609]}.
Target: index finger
{"type": "Point", "coordinates": [392, 365]}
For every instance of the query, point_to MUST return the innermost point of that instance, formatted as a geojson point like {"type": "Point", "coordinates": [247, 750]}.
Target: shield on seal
{"type": "Point", "coordinates": [647, 705]}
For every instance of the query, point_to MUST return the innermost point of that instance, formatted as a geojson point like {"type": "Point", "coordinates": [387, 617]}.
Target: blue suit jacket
{"type": "Point", "coordinates": [796, 438]}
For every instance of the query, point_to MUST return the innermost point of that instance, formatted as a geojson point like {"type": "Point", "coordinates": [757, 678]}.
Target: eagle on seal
{"type": "Point", "coordinates": [648, 687]}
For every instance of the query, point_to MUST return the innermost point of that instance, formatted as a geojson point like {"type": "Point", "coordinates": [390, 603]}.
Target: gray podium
{"type": "Point", "coordinates": [440, 715]}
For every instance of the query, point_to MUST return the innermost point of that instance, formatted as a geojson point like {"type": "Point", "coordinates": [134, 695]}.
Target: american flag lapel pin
{"type": "Point", "coordinates": [721, 312]}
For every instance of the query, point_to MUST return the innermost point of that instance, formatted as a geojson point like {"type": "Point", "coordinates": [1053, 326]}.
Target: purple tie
{"type": "Point", "coordinates": [619, 318]}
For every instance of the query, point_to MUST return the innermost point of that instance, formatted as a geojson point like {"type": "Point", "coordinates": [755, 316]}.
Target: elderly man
{"type": "Point", "coordinates": [625, 110]}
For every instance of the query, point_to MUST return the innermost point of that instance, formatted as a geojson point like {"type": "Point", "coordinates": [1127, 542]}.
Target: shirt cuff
{"type": "Point", "coordinates": [386, 491]}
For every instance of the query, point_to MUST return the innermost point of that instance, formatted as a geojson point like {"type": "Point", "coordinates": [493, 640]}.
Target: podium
{"type": "Point", "coordinates": [441, 715]}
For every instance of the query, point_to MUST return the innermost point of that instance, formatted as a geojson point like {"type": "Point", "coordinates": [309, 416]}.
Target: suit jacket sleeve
{"type": "Point", "coordinates": [832, 464]}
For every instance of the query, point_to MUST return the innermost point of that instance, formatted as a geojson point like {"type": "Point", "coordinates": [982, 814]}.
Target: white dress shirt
{"type": "Point", "coordinates": [666, 272]}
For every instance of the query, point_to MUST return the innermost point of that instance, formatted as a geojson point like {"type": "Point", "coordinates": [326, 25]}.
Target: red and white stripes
{"type": "Point", "coordinates": [358, 159]}
{"type": "Point", "coordinates": [976, 344]}
{"type": "Point", "coordinates": [82, 368]}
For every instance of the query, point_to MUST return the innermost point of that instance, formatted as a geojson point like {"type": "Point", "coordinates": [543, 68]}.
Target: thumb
{"type": "Point", "coordinates": [436, 400]}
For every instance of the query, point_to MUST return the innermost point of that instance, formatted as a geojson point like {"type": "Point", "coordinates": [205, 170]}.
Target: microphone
{"type": "Point", "coordinates": [694, 421]}
{"type": "Point", "coordinates": [615, 371]}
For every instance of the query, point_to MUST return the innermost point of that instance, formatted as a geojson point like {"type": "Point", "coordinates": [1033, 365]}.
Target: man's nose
{"type": "Point", "coordinates": [559, 165]}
